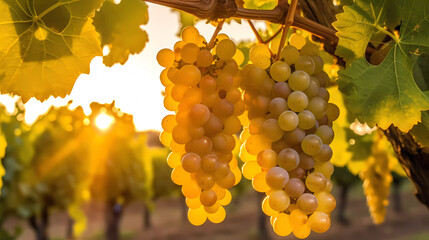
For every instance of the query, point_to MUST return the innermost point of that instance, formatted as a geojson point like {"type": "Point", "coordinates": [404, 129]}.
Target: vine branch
{"type": "Point", "coordinates": [215, 9]}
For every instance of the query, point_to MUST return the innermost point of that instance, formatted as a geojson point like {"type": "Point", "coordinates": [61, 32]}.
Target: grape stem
{"type": "Point", "coordinates": [210, 45]}
{"type": "Point", "coordinates": [288, 22]}
{"type": "Point", "coordinates": [258, 37]}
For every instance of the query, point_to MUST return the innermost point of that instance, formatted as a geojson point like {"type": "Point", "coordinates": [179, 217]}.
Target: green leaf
{"type": "Point", "coordinates": [119, 27]}
{"type": "Point", "coordinates": [421, 130]}
{"type": "Point", "coordinates": [357, 24]}
{"type": "Point", "coordinates": [45, 45]}
{"type": "Point", "coordinates": [385, 94]}
{"type": "Point", "coordinates": [388, 93]}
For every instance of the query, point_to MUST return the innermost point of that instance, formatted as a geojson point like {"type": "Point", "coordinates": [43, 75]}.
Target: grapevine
{"type": "Point", "coordinates": [201, 87]}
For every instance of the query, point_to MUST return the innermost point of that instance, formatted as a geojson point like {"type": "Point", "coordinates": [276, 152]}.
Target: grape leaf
{"type": "Point", "coordinates": [360, 22]}
{"type": "Point", "coordinates": [45, 45]}
{"type": "Point", "coordinates": [388, 94]}
{"type": "Point", "coordinates": [119, 27]}
{"type": "Point", "coordinates": [420, 131]}
{"type": "Point", "coordinates": [260, 4]}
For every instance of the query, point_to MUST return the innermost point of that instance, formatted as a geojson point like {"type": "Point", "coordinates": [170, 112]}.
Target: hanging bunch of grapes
{"type": "Point", "coordinates": [286, 150]}
{"type": "Point", "coordinates": [202, 89]}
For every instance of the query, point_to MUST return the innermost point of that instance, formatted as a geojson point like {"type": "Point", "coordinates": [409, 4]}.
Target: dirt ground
{"type": "Point", "coordinates": [168, 222]}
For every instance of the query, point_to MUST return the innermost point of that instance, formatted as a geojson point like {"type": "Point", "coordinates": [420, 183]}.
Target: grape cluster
{"type": "Point", "coordinates": [377, 178]}
{"type": "Point", "coordinates": [202, 88]}
{"type": "Point", "coordinates": [286, 149]}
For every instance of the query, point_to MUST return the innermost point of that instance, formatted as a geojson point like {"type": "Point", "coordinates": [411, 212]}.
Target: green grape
{"type": "Point", "coordinates": [299, 80]}
{"type": "Point", "coordinates": [324, 94]}
{"type": "Point", "coordinates": [277, 106]}
{"type": "Point", "coordinates": [165, 58]}
{"type": "Point", "coordinates": [225, 49]}
{"type": "Point", "coordinates": [204, 58]}
{"type": "Point", "coordinates": [279, 200]}
{"type": "Point", "coordinates": [259, 51]}
{"type": "Point", "coordinates": [309, 49]}
{"type": "Point", "coordinates": [307, 203]}
{"type": "Point", "coordinates": [297, 40]}
{"type": "Point", "coordinates": [315, 182]}
{"type": "Point", "coordinates": [332, 111]}
{"type": "Point", "coordinates": [318, 63]}
{"type": "Point", "coordinates": [306, 162]}
{"type": "Point", "coordinates": [288, 120]}
{"type": "Point", "coordinates": [277, 178]}
{"type": "Point", "coordinates": [312, 89]}
{"type": "Point", "coordinates": [297, 101]}
{"type": "Point", "coordinates": [305, 63]}
{"type": "Point", "coordinates": [311, 144]}
{"type": "Point", "coordinates": [294, 137]}
{"type": "Point", "coordinates": [281, 90]}
{"type": "Point", "coordinates": [288, 159]}
{"type": "Point", "coordinates": [294, 187]}
{"type": "Point", "coordinates": [271, 130]}
{"type": "Point", "coordinates": [325, 154]}
{"type": "Point", "coordinates": [280, 71]}
{"type": "Point", "coordinates": [290, 54]}
{"type": "Point", "coordinates": [307, 120]}
{"type": "Point", "coordinates": [325, 133]}
{"type": "Point", "coordinates": [322, 77]}
{"type": "Point", "coordinates": [325, 168]}
{"type": "Point", "coordinates": [189, 53]}
{"type": "Point", "coordinates": [262, 62]}
{"type": "Point", "coordinates": [188, 75]}
{"type": "Point", "coordinates": [317, 106]}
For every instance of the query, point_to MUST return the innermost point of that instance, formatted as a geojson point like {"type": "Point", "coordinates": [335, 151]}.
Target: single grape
{"type": "Point", "coordinates": [225, 49]}
{"type": "Point", "coordinates": [288, 159]}
{"type": "Point", "coordinates": [299, 80]}
{"type": "Point", "coordinates": [297, 101]}
{"type": "Point", "coordinates": [311, 144]}
{"type": "Point", "coordinates": [288, 120]}
{"type": "Point", "coordinates": [280, 71]}
{"type": "Point", "coordinates": [289, 54]}
{"type": "Point", "coordinates": [307, 203]}
{"type": "Point", "coordinates": [277, 178]}
{"type": "Point", "coordinates": [305, 63]}
{"type": "Point", "coordinates": [279, 200]}
{"type": "Point", "coordinates": [307, 120]}
{"type": "Point", "coordinates": [294, 187]}
{"type": "Point", "coordinates": [315, 182]}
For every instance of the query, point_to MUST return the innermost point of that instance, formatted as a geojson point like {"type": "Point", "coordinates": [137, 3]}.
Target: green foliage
{"type": "Point", "coordinates": [260, 4]}
{"type": "Point", "coordinates": [185, 20]}
{"type": "Point", "coordinates": [119, 27]}
{"type": "Point", "coordinates": [45, 46]}
{"type": "Point", "coordinates": [385, 94]}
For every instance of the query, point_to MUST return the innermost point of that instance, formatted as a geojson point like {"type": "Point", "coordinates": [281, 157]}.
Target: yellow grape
{"type": "Point", "coordinates": [282, 225]}
{"type": "Point", "coordinates": [319, 222]}
{"type": "Point", "coordinates": [197, 216]}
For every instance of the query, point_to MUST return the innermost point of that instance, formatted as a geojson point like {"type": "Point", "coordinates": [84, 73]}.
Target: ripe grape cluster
{"type": "Point", "coordinates": [286, 150]}
{"type": "Point", "coordinates": [377, 178]}
{"type": "Point", "coordinates": [202, 88]}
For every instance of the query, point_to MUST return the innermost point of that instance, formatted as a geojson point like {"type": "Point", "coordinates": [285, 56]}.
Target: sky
{"type": "Point", "coordinates": [134, 86]}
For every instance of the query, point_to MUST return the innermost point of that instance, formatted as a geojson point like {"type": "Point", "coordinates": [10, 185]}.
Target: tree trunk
{"type": "Point", "coordinates": [414, 159]}
{"type": "Point", "coordinates": [342, 206]}
{"type": "Point", "coordinates": [262, 219]}
{"type": "Point", "coordinates": [69, 230]}
{"type": "Point", "coordinates": [39, 228]}
{"type": "Point", "coordinates": [146, 217]}
{"type": "Point", "coordinates": [113, 218]}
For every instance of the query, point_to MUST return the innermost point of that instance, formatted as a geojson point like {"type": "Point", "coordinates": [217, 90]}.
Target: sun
{"type": "Point", "coordinates": [104, 121]}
